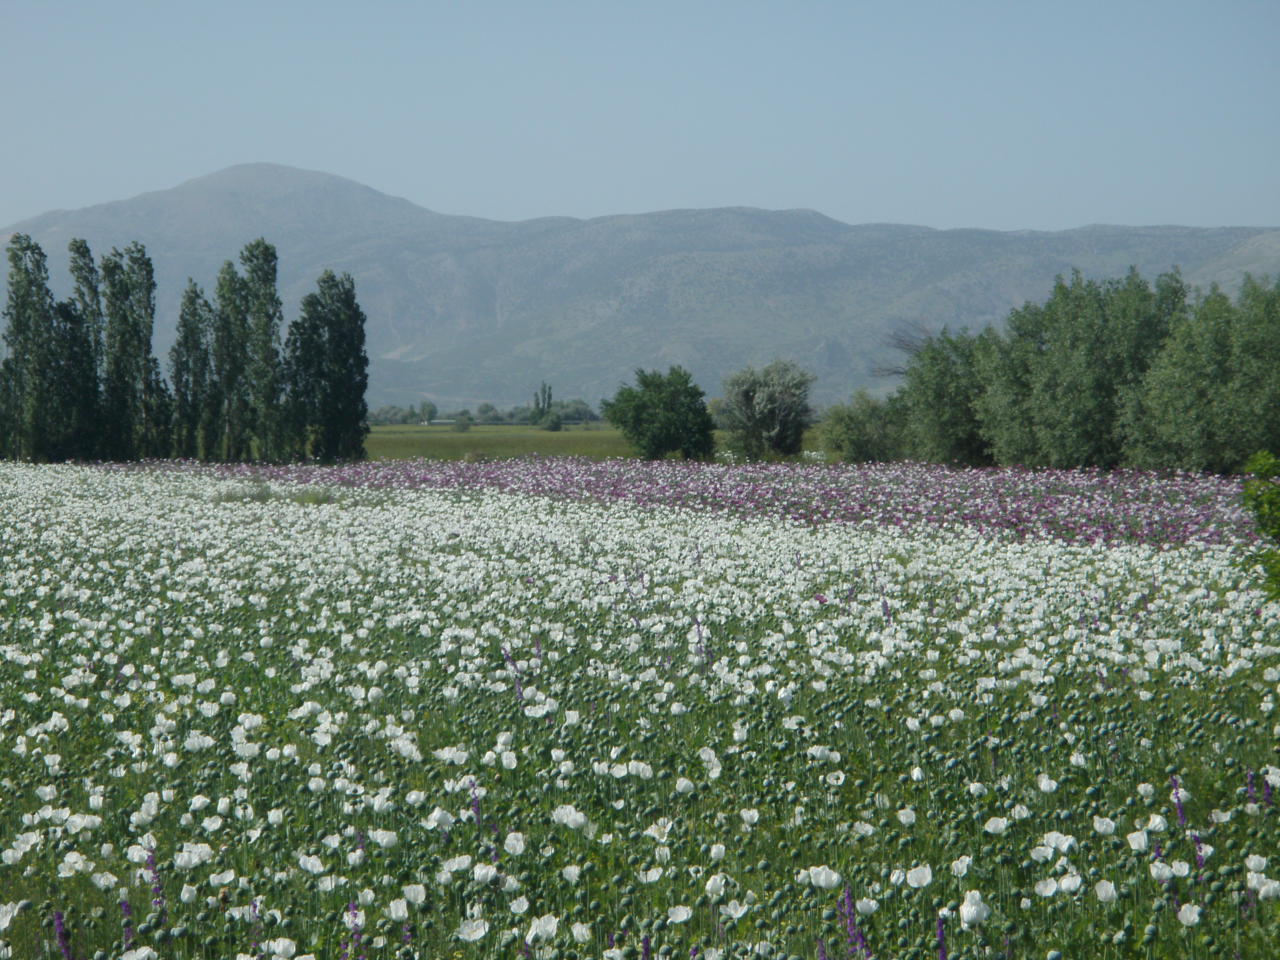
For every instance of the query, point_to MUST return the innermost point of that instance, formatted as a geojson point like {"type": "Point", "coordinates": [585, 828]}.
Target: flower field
{"type": "Point", "coordinates": [567, 710]}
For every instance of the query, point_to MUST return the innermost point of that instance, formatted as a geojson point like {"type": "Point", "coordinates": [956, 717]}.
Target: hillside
{"type": "Point", "coordinates": [464, 310]}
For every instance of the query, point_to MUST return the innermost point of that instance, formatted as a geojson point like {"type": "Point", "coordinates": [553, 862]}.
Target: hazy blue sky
{"type": "Point", "coordinates": [1004, 115]}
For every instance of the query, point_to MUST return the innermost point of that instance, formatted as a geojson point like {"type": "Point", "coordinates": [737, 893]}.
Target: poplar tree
{"type": "Point", "coordinates": [263, 368]}
{"type": "Point", "coordinates": [88, 300]}
{"type": "Point", "coordinates": [28, 336]}
{"type": "Point", "coordinates": [189, 375]}
{"type": "Point", "coordinates": [328, 373]}
{"type": "Point", "coordinates": [72, 414]}
{"type": "Point", "coordinates": [134, 402]}
{"type": "Point", "coordinates": [229, 362]}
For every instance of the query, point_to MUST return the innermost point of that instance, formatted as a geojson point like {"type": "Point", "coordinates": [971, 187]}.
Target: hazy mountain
{"type": "Point", "coordinates": [464, 310]}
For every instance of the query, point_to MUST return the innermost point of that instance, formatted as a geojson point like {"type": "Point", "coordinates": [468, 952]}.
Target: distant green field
{"type": "Point", "coordinates": [441, 442]}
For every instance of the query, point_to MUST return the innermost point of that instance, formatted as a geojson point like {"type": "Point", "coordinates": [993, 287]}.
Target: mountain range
{"type": "Point", "coordinates": [463, 310]}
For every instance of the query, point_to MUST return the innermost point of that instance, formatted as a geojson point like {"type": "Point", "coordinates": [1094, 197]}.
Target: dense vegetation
{"type": "Point", "coordinates": [662, 414]}
{"type": "Point", "coordinates": [80, 380]}
{"type": "Point", "coordinates": [1102, 374]}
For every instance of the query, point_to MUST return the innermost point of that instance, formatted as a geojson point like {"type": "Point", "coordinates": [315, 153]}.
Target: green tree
{"type": "Point", "coordinates": [87, 297]}
{"type": "Point", "coordinates": [344, 413]}
{"type": "Point", "coordinates": [1212, 394]}
{"type": "Point", "coordinates": [662, 414]}
{"type": "Point", "coordinates": [304, 371]}
{"type": "Point", "coordinates": [541, 404]}
{"type": "Point", "coordinates": [328, 372]}
{"type": "Point", "coordinates": [1004, 367]}
{"type": "Point", "coordinates": [263, 369]}
{"type": "Point", "coordinates": [157, 406]}
{"type": "Point", "coordinates": [865, 430]}
{"type": "Point", "coordinates": [189, 374]}
{"type": "Point", "coordinates": [229, 366]}
{"type": "Point", "coordinates": [133, 399]}
{"type": "Point", "coordinates": [1063, 384]}
{"type": "Point", "coordinates": [73, 410]}
{"type": "Point", "coordinates": [28, 335]}
{"type": "Point", "coordinates": [940, 397]}
{"type": "Point", "coordinates": [767, 411]}
{"type": "Point", "coordinates": [1252, 412]}
{"type": "Point", "coordinates": [1177, 419]}
{"type": "Point", "coordinates": [1262, 498]}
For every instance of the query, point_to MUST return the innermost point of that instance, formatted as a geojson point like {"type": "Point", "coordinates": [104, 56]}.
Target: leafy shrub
{"type": "Point", "coordinates": [663, 414]}
{"type": "Point", "coordinates": [1262, 497]}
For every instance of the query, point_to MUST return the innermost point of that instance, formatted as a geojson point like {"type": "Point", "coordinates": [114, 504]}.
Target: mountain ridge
{"type": "Point", "coordinates": [465, 309]}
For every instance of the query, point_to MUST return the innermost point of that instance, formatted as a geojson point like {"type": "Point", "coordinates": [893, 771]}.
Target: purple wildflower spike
{"type": "Point", "coordinates": [64, 938]}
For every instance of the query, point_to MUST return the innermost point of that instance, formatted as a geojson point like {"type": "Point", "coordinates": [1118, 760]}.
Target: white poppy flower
{"type": "Point", "coordinates": [471, 930]}
{"type": "Point", "coordinates": [920, 876]}
{"type": "Point", "coordinates": [733, 910]}
{"type": "Point", "coordinates": [543, 928]}
{"type": "Point", "coordinates": [972, 910]}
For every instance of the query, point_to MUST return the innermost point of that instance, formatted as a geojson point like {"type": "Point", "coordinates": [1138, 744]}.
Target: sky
{"type": "Point", "coordinates": [1007, 116]}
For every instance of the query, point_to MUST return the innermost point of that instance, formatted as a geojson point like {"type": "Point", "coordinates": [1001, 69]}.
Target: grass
{"type": "Point", "coordinates": [496, 441]}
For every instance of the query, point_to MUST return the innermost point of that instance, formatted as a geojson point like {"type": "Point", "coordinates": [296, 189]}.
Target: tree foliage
{"type": "Point", "coordinates": [1102, 374]}
{"type": "Point", "coordinates": [327, 373]}
{"type": "Point", "coordinates": [78, 379]}
{"type": "Point", "coordinates": [663, 414]}
{"type": "Point", "coordinates": [27, 369]}
{"type": "Point", "coordinates": [865, 430]}
{"type": "Point", "coordinates": [265, 378]}
{"type": "Point", "coordinates": [941, 391]}
{"type": "Point", "coordinates": [1262, 497]}
{"type": "Point", "coordinates": [189, 376]}
{"type": "Point", "coordinates": [767, 411]}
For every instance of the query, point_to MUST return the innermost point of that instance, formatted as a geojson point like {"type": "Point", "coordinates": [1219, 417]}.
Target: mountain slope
{"type": "Point", "coordinates": [465, 310]}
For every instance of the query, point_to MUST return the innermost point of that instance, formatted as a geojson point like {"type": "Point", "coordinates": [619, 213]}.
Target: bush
{"type": "Point", "coordinates": [865, 430]}
{"type": "Point", "coordinates": [663, 414]}
{"type": "Point", "coordinates": [1262, 497]}
{"type": "Point", "coordinates": [766, 411]}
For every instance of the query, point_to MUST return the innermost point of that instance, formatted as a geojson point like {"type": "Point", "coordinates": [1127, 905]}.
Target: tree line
{"type": "Point", "coordinates": [545, 412]}
{"type": "Point", "coordinates": [79, 380]}
{"type": "Point", "coordinates": [1102, 374]}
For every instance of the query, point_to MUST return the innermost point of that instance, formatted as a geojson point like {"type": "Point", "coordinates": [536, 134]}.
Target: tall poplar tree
{"type": "Point", "coordinates": [72, 414]}
{"type": "Point", "coordinates": [87, 299]}
{"type": "Point", "coordinates": [328, 371]}
{"type": "Point", "coordinates": [229, 361]}
{"type": "Point", "coordinates": [263, 370]}
{"type": "Point", "coordinates": [28, 335]}
{"type": "Point", "coordinates": [134, 402]}
{"type": "Point", "coordinates": [189, 375]}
